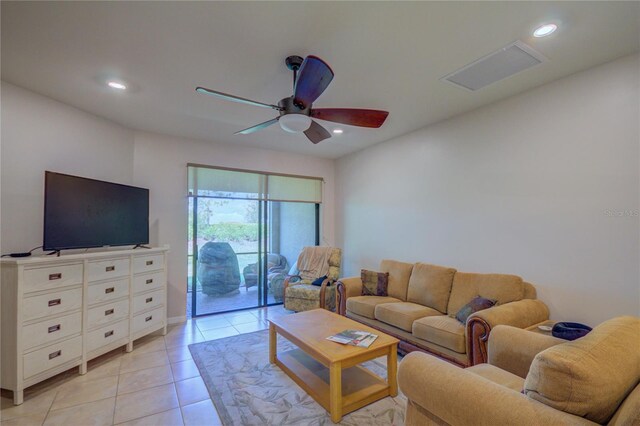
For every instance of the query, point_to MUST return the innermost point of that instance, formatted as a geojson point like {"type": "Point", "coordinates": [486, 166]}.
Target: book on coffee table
{"type": "Point", "coordinates": [362, 339]}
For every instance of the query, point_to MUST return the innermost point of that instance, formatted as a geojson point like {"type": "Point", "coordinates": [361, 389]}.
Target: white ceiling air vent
{"type": "Point", "coordinates": [496, 66]}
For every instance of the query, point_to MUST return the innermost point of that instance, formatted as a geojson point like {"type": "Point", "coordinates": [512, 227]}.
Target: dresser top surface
{"type": "Point", "coordinates": [44, 259]}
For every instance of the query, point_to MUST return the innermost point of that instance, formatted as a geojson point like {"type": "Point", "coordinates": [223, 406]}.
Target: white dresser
{"type": "Point", "coordinates": [60, 312]}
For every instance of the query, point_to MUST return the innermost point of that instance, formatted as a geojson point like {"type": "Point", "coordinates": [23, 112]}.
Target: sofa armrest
{"type": "Point", "coordinates": [513, 349]}
{"type": "Point", "coordinates": [347, 287]}
{"type": "Point", "coordinates": [521, 314]}
{"type": "Point", "coordinates": [455, 396]}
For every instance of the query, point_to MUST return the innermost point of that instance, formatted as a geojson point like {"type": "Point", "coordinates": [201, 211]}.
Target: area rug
{"type": "Point", "coordinates": [247, 390]}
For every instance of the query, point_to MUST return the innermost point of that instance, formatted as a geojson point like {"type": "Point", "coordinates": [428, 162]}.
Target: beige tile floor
{"type": "Point", "coordinates": [156, 384]}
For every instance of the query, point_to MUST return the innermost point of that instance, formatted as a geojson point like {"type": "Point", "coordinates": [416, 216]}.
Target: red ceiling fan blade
{"type": "Point", "coordinates": [313, 78]}
{"type": "Point", "coordinates": [257, 127]}
{"type": "Point", "coordinates": [316, 133]}
{"type": "Point", "coordinates": [355, 117]}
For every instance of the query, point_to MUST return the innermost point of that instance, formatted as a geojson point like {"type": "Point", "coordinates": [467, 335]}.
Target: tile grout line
{"type": "Point", "coordinates": [179, 405]}
{"type": "Point", "coordinates": [115, 401]}
{"type": "Point", "coordinates": [49, 409]}
{"type": "Point", "coordinates": [70, 406]}
{"type": "Point", "coordinates": [159, 412]}
{"type": "Point", "coordinates": [152, 414]}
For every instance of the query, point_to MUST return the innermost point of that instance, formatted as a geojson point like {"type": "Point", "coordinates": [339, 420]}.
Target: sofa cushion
{"type": "Point", "coordinates": [498, 375]}
{"type": "Point", "coordinates": [441, 330]}
{"type": "Point", "coordinates": [430, 285]}
{"type": "Point", "coordinates": [591, 376]}
{"type": "Point", "coordinates": [402, 314]}
{"type": "Point", "coordinates": [399, 273]}
{"type": "Point", "coordinates": [374, 283]}
{"type": "Point", "coordinates": [501, 287]}
{"type": "Point", "coordinates": [366, 305]}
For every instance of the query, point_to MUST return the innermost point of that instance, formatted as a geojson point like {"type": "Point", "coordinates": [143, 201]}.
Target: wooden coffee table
{"type": "Point", "coordinates": [329, 371]}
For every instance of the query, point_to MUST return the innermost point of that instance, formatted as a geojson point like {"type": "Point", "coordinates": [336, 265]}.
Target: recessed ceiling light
{"type": "Point", "coordinates": [338, 131]}
{"type": "Point", "coordinates": [116, 85]}
{"type": "Point", "coordinates": [545, 30]}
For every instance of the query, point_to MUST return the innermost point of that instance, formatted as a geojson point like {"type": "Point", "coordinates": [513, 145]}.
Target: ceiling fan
{"type": "Point", "coordinates": [311, 76]}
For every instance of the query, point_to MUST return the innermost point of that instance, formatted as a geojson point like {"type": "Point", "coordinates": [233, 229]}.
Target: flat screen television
{"type": "Point", "coordinates": [82, 213]}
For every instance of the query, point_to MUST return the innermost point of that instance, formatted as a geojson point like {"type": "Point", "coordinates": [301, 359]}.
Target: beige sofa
{"type": "Point", "coordinates": [532, 379]}
{"type": "Point", "coordinates": [423, 300]}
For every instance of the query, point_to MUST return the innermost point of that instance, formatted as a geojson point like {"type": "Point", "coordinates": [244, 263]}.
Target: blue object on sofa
{"type": "Point", "coordinates": [569, 330]}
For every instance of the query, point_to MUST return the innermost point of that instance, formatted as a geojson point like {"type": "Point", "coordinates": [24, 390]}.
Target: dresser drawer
{"type": "Point", "coordinates": [51, 329]}
{"type": "Point", "coordinates": [105, 335]}
{"type": "Point", "coordinates": [107, 269]}
{"type": "Point", "coordinates": [149, 263]}
{"type": "Point", "coordinates": [146, 301]}
{"type": "Point", "coordinates": [52, 303]}
{"type": "Point", "coordinates": [146, 282]}
{"type": "Point", "coordinates": [51, 277]}
{"type": "Point", "coordinates": [107, 313]}
{"type": "Point", "coordinates": [52, 356]}
{"type": "Point", "coordinates": [107, 291]}
{"type": "Point", "coordinates": [149, 319]}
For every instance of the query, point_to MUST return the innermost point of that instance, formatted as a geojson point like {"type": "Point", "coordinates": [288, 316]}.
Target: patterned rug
{"type": "Point", "coordinates": [247, 390]}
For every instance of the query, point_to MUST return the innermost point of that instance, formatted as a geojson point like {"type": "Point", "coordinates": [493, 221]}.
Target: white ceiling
{"type": "Point", "coordinates": [385, 55]}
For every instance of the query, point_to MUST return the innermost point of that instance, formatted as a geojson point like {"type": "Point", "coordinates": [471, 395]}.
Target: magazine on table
{"type": "Point", "coordinates": [362, 339]}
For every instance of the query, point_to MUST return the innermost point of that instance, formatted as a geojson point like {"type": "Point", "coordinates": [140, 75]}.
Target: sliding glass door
{"type": "Point", "coordinates": [241, 243]}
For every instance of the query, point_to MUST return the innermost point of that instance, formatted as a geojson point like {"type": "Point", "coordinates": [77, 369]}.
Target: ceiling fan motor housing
{"type": "Point", "coordinates": [289, 107]}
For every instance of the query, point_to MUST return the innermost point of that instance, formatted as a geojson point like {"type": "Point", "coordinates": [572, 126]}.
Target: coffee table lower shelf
{"type": "Point", "coordinates": [359, 386]}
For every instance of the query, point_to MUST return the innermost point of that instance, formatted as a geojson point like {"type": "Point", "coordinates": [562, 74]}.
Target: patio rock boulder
{"type": "Point", "coordinates": [218, 269]}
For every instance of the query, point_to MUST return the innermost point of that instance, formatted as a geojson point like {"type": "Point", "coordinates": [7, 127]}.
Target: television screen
{"type": "Point", "coordinates": [81, 213]}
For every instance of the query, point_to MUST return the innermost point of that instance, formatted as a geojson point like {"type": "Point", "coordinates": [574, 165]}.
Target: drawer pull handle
{"type": "Point", "coordinates": [55, 276]}
{"type": "Point", "coordinates": [149, 262]}
{"type": "Point", "coordinates": [108, 334]}
{"type": "Point", "coordinates": [55, 302]}
{"type": "Point", "coordinates": [55, 354]}
{"type": "Point", "coordinates": [149, 299]}
{"type": "Point", "coordinates": [149, 318]}
{"type": "Point", "coordinates": [109, 290]}
{"type": "Point", "coordinates": [149, 281]}
{"type": "Point", "coordinates": [54, 328]}
{"type": "Point", "coordinates": [110, 268]}
{"type": "Point", "coordinates": [108, 312]}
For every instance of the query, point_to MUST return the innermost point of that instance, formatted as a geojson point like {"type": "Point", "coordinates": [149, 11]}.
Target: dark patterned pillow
{"type": "Point", "coordinates": [374, 283]}
{"type": "Point", "coordinates": [478, 303]}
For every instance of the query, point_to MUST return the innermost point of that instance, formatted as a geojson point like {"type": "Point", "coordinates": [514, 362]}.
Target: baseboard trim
{"type": "Point", "coordinates": [176, 320]}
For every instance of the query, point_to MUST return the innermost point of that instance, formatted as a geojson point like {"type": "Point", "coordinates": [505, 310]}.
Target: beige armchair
{"type": "Point", "coordinates": [532, 379]}
{"type": "Point", "coordinates": [299, 294]}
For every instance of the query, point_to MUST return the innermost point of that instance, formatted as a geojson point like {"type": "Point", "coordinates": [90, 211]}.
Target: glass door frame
{"type": "Point", "coordinates": [262, 248]}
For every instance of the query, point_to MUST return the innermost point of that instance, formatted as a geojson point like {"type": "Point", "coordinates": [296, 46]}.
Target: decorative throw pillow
{"type": "Point", "coordinates": [478, 303]}
{"type": "Point", "coordinates": [374, 283]}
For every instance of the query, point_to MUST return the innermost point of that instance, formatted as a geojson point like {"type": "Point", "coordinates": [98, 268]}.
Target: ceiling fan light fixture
{"type": "Point", "coordinates": [295, 123]}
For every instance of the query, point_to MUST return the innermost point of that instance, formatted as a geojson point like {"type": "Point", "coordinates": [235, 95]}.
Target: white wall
{"type": "Point", "coordinates": [41, 134]}
{"type": "Point", "coordinates": [532, 185]}
{"type": "Point", "coordinates": [161, 165]}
